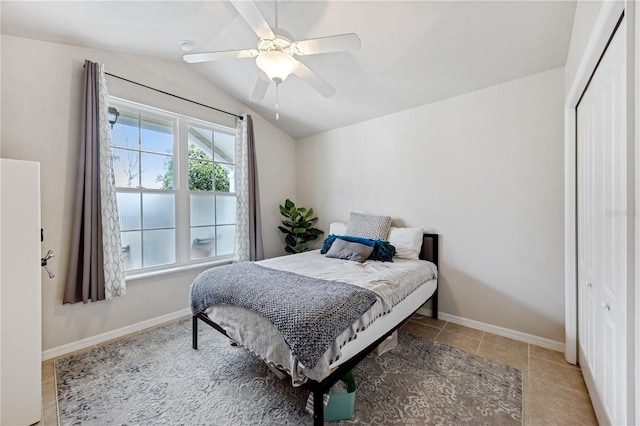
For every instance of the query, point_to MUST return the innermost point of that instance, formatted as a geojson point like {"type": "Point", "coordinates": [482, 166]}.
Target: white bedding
{"type": "Point", "coordinates": [392, 282]}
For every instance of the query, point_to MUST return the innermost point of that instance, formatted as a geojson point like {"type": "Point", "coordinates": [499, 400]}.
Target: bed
{"type": "Point", "coordinates": [401, 288]}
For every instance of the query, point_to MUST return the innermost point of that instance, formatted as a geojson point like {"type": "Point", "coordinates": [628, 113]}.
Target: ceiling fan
{"type": "Point", "coordinates": [276, 50]}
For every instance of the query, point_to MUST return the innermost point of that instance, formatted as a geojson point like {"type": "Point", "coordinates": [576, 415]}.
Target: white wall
{"type": "Point", "coordinates": [583, 23]}
{"type": "Point", "coordinates": [41, 113]}
{"type": "Point", "coordinates": [485, 171]}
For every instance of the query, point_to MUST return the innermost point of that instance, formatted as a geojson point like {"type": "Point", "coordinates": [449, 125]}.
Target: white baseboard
{"type": "Point", "coordinates": [500, 331]}
{"type": "Point", "coordinates": [113, 334]}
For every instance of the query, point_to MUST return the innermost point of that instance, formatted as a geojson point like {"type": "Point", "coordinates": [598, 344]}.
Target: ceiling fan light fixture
{"type": "Point", "coordinates": [276, 64]}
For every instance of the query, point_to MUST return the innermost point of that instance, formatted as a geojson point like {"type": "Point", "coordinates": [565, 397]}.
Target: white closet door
{"type": "Point", "coordinates": [587, 231]}
{"type": "Point", "coordinates": [603, 234]}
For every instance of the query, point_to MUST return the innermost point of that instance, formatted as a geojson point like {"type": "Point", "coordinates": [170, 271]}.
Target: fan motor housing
{"type": "Point", "coordinates": [281, 43]}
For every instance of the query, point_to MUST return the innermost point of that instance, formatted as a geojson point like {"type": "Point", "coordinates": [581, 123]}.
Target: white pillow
{"type": "Point", "coordinates": [407, 241]}
{"type": "Point", "coordinates": [337, 228]}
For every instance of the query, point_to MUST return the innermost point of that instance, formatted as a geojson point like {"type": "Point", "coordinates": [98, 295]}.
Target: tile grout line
{"type": "Point", "coordinates": [529, 363]}
{"type": "Point", "coordinates": [55, 389]}
{"type": "Point", "coordinates": [526, 395]}
{"type": "Point", "coordinates": [440, 331]}
{"type": "Point", "coordinates": [556, 384]}
{"type": "Point", "coordinates": [480, 343]}
{"type": "Point", "coordinates": [563, 364]}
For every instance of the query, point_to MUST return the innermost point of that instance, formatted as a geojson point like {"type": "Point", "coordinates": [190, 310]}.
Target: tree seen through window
{"type": "Point", "coordinates": [202, 173]}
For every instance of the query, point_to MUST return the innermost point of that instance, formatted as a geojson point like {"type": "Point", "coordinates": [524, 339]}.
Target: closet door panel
{"type": "Point", "coordinates": [602, 233]}
{"type": "Point", "coordinates": [589, 249]}
{"type": "Point", "coordinates": [613, 289]}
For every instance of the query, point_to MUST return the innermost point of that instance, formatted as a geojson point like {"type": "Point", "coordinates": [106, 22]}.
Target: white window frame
{"type": "Point", "coordinates": [181, 189]}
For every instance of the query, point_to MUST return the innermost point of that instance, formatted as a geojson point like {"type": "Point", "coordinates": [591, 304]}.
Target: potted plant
{"type": "Point", "coordinates": [297, 227]}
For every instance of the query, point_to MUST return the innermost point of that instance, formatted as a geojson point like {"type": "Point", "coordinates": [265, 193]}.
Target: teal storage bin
{"type": "Point", "coordinates": [341, 405]}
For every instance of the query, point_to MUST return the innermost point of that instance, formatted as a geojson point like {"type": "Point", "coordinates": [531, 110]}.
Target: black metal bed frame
{"type": "Point", "coordinates": [428, 252]}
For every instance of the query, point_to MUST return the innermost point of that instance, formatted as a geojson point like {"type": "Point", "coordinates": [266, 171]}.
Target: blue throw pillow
{"type": "Point", "coordinates": [382, 250]}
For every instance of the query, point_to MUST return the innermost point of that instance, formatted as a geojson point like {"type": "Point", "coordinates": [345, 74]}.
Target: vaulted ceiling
{"type": "Point", "coordinates": [413, 52]}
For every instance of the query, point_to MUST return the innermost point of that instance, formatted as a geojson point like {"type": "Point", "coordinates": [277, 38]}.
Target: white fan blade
{"type": "Point", "coordinates": [224, 54]}
{"type": "Point", "coordinates": [260, 89]}
{"type": "Point", "coordinates": [314, 80]}
{"type": "Point", "coordinates": [336, 43]}
{"type": "Point", "coordinates": [250, 12]}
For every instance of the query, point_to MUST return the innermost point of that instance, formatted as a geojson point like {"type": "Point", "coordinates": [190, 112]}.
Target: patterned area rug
{"type": "Point", "coordinates": [156, 378]}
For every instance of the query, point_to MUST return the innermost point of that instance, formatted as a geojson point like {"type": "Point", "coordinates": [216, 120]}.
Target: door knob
{"type": "Point", "coordinates": [606, 306]}
{"type": "Point", "coordinates": [588, 284]}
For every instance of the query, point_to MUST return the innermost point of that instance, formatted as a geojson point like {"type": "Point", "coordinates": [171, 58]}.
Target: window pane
{"type": "Point", "coordinates": [225, 209]}
{"type": "Point", "coordinates": [158, 211]}
{"type": "Point", "coordinates": [151, 192]}
{"type": "Point", "coordinates": [200, 175]}
{"type": "Point", "coordinates": [156, 135]}
{"type": "Point", "coordinates": [126, 168]}
{"type": "Point", "coordinates": [225, 239]}
{"type": "Point", "coordinates": [131, 250]}
{"type": "Point", "coordinates": [225, 148]}
{"type": "Point", "coordinates": [159, 247]}
{"type": "Point", "coordinates": [202, 210]}
{"type": "Point", "coordinates": [157, 171]}
{"type": "Point", "coordinates": [129, 210]}
{"type": "Point", "coordinates": [200, 143]}
{"type": "Point", "coordinates": [225, 178]}
{"type": "Point", "coordinates": [125, 132]}
{"type": "Point", "coordinates": [203, 242]}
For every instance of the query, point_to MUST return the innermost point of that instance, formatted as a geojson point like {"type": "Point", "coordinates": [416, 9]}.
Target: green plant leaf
{"type": "Point", "coordinates": [297, 227]}
{"type": "Point", "coordinates": [291, 240]}
{"type": "Point", "coordinates": [284, 230]}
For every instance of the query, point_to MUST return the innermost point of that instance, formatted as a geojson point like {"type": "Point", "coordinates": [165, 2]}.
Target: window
{"type": "Point", "coordinates": [175, 186]}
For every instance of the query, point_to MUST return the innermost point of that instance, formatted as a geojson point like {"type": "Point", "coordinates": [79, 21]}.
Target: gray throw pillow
{"type": "Point", "coordinates": [341, 249]}
{"type": "Point", "coordinates": [367, 226]}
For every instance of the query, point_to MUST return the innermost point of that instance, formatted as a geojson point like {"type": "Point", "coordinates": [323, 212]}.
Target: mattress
{"type": "Point", "coordinates": [401, 287]}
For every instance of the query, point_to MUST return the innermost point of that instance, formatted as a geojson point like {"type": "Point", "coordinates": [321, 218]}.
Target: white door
{"type": "Point", "coordinates": [20, 302]}
{"type": "Point", "coordinates": [603, 219]}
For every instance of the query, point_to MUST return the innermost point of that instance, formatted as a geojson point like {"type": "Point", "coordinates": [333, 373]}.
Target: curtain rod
{"type": "Point", "coordinates": [175, 96]}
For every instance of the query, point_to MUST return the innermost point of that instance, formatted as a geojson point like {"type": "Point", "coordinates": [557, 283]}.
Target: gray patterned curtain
{"type": "Point", "coordinates": [248, 221]}
{"type": "Point", "coordinates": [96, 267]}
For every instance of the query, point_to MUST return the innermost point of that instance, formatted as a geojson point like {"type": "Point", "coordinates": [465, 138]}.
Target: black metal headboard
{"type": "Point", "coordinates": [429, 250]}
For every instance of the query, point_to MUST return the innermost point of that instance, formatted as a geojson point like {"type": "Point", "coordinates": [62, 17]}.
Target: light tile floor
{"type": "Point", "coordinates": [554, 391]}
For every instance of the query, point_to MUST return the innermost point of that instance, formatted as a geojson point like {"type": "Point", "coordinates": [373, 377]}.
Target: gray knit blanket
{"type": "Point", "coordinates": [309, 312]}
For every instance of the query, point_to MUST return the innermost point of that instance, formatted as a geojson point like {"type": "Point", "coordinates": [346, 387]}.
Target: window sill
{"type": "Point", "coordinates": [165, 271]}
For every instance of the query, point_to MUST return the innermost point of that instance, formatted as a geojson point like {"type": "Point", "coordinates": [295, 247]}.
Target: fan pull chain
{"type": "Point", "coordinates": [277, 115]}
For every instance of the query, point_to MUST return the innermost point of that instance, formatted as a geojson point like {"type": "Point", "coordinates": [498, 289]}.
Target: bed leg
{"type": "Point", "coordinates": [434, 305]}
{"type": "Point", "coordinates": [318, 408]}
{"type": "Point", "coordinates": [195, 332]}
